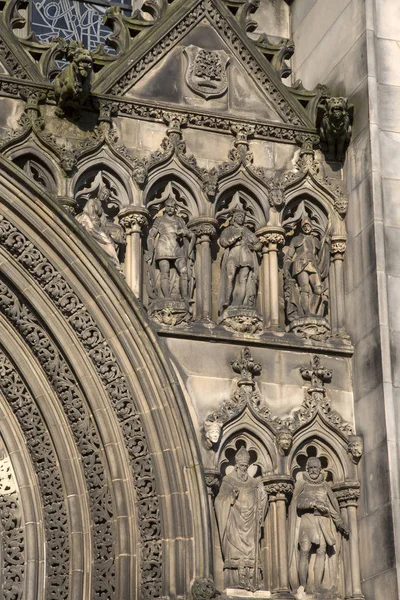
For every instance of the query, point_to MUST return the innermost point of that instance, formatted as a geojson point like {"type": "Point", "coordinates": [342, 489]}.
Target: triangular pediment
{"type": "Point", "coordinates": [155, 67]}
{"type": "Point", "coordinates": [169, 81]}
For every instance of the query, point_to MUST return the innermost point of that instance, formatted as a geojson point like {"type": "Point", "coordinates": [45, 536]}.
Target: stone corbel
{"type": "Point", "coordinates": [133, 219]}
{"type": "Point", "coordinates": [348, 494]}
{"type": "Point", "coordinates": [205, 229]}
{"type": "Point", "coordinates": [338, 249]}
{"type": "Point", "coordinates": [272, 238]}
{"type": "Point", "coordinates": [279, 489]}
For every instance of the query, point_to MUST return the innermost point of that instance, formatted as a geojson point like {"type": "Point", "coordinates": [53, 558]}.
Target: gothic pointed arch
{"type": "Point", "coordinates": [76, 322]}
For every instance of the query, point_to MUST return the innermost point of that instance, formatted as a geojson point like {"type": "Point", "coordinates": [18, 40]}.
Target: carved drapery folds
{"type": "Point", "coordinates": [306, 464]}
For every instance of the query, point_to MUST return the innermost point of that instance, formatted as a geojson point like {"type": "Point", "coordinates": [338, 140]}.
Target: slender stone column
{"type": "Point", "coordinates": [133, 219]}
{"type": "Point", "coordinates": [213, 482]}
{"type": "Point", "coordinates": [348, 494]}
{"type": "Point", "coordinates": [338, 250]}
{"type": "Point", "coordinates": [204, 228]}
{"type": "Point", "coordinates": [280, 489]}
{"type": "Point", "coordinates": [272, 238]}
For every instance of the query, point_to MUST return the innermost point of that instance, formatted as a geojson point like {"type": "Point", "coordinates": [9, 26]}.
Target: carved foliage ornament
{"type": "Point", "coordinates": [93, 342]}
{"type": "Point", "coordinates": [246, 394]}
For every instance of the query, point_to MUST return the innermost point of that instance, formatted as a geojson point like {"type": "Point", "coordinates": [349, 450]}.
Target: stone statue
{"type": "Point", "coordinates": [314, 521]}
{"type": "Point", "coordinates": [239, 272]}
{"type": "Point", "coordinates": [72, 85]}
{"type": "Point", "coordinates": [170, 256]}
{"type": "Point", "coordinates": [355, 448]}
{"type": "Point", "coordinates": [335, 128]}
{"type": "Point", "coordinates": [306, 269]}
{"type": "Point", "coordinates": [240, 508]}
{"type": "Point", "coordinates": [93, 218]}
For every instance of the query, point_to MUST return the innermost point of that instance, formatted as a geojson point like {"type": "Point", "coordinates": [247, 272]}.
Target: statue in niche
{"type": "Point", "coordinates": [240, 509]}
{"type": "Point", "coordinates": [305, 270]}
{"type": "Point", "coordinates": [239, 272]}
{"type": "Point", "coordinates": [314, 526]}
{"type": "Point", "coordinates": [72, 85]}
{"type": "Point", "coordinates": [109, 235]}
{"type": "Point", "coordinates": [170, 259]}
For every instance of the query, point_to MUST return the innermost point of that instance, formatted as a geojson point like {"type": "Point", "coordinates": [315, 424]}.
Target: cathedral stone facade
{"type": "Point", "coordinates": [199, 289]}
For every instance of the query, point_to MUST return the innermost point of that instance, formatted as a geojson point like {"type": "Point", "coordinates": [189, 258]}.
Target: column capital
{"type": "Point", "coordinates": [347, 493]}
{"type": "Point", "coordinates": [133, 218]}
{"type": "Point", "coordinates": [68, 203]}
{"type": "Point", "coordinates": [338, 247]}
{"type": "Point", "coordinates": [203, 227]}
{"type": "Point", "coordinates": [278, 487]}
{"type": "Point", "coordinates": [271, 236]}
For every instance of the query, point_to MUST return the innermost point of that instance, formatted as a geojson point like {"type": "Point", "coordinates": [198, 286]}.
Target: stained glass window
{"type": "Point", "coordinates": [72, 20]}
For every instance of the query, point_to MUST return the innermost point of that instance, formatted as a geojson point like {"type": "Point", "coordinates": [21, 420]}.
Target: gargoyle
{"type": "Point", "coordinates": [335, 127]}
{"type": "Point", "coordinates": [72, 85]}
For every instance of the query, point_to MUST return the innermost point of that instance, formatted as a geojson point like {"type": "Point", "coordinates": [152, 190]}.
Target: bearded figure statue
{"type": "Point", "coordinates": [315, 528]}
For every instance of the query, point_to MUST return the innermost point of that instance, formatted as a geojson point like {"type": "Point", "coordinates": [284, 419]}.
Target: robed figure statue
{"type": "Point", "coordinates": [108, 235]}
{"type": "Point", "coordinates": [240, 509]}
{"type": "Point", "coordinates": [239, 265]}
{"type": "Point", "coordinates": [315, 524]}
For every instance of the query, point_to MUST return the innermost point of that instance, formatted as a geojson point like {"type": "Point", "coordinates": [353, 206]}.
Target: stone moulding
{"type": "Point", "coordinates": [99, 353]}
{"type": "Point", "coordinates": [12, 534]}
{"type": "Point", "coordinates": [61, 378]}
{"type": "Point", "coordinates": [146, 111]}
{"type": "Point", "coordinates": [49, 478]}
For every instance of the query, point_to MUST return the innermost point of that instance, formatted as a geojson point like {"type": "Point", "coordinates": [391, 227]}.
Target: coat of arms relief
{"type": "Point", "coordinates": [206, 72]}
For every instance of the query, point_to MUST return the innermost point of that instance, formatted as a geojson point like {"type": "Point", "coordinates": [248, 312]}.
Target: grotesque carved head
{"type": "Point", "coordinates": [337, 109]}
{"type": "Point", "coordinates": [68, 162]}
{"type": "Point", "coordinates": [355, 448]}
{"type": "Point", "coordinates": [306, 226]}
{"type": "Point", "coordinates": [276, 194]}
{"type": "Point", "coordinates": [212, 432]}
{"type": "Point", "coordinates": [81, 59]}
{"type": "Point", "coordinates": [140, 174]}
{"type": "Point", "coordinates": [284, 441]}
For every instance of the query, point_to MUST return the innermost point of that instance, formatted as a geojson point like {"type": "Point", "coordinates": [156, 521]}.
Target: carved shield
{"type": "Point", "coordinates": [206, 71]}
